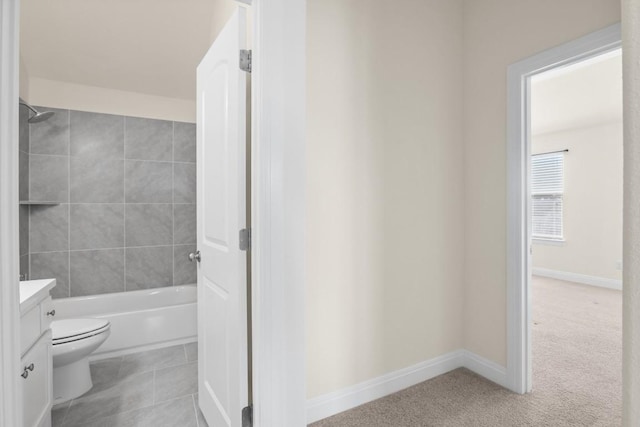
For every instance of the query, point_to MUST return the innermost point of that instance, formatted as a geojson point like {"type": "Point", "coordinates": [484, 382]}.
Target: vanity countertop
{"type": "Point", "coordinates": [33, 291]}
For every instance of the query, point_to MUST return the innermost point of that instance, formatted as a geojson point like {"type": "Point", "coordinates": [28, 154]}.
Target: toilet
{"type": "Point", "coordinates": [73, 342]}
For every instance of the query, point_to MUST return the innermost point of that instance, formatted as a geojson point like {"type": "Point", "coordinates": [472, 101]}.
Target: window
{"type": "Point", "coordinates": [547, 193]}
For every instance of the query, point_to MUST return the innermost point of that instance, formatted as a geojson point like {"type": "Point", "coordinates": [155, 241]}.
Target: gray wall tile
{"type": "Point", "coordinates": [97, 272]}
{"type": "Point", "coordinates": [149, 224]}
{"type": "Point", "coordinates": [148, 139]}
{"type": "Point", "coordinates": [147, 182]}
{"type": "Point", "coordinates": [52, 135]}
{"type": "Point", "coordinates": [149, 267]}
{"type": "Point", "coordinates": [48, 178]}
{"type": "Point", "coordinates": [184, 271]}
{"type": "Point", "coordinates": [97, 135]}
{"type": "Point", "coordinates": [184, 183]}
{"type": "Point", "coordinates": [79, 157]}
{"type": "Point", "coordinates": [97, 180]}
{"type": "Point", "coordinates": [24, 229]}
{"type": "Point", "coordinates": [184, 224]}
{"type": "Point", "coordinates": [23, 176]}
{"type": "Point", "coordinates": [24, 266]}
{"type": "Point", "coordinates": [52, 265]}
{"type": "Point", "coordinates": [95, 226]}
{"type": "Point", "coordinates": [184, 142]}
{"type": "Point", "coordinates": [49, 228]}
{"type": "Point", "coordinates": [23, 129]}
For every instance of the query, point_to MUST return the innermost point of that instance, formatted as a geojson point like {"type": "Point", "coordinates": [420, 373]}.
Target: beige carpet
{"type": "Point", "coordinates": [577, 364]}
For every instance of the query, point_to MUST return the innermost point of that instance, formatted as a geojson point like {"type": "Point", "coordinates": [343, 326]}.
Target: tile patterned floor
{"type": "Point", "coordinates": [156, 388]}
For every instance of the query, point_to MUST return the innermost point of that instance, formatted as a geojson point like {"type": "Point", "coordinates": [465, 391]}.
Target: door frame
{"type": "Point", "coordinates": [278, 216]}
{"type": "Point", "coordinates": [11, 403]}
{"type": "Point", "coordinates": [278, 96]}
{"type": "Point", "coordinates": [519, 366]}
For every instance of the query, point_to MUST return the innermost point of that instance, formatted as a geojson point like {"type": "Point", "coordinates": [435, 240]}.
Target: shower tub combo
{"type": "Point", "coordinates": [140, 320]}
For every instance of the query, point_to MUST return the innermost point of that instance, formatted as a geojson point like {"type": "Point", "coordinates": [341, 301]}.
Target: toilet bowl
{"type": "Point", "coordinates": [73, 342]}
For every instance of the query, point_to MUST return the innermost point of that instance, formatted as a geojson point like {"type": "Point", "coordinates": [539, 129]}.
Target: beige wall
{"type": "Point", "coordinates": [24, 81]}
{"type": "Point", "coordinates": [631, 293]}
{"type": "Point", "coordinates": [71, 95]}
{"type": "Point", "coordinates": [497, 34]}
{"type": "Point", "coordinates": [385, 209]}
{"type": "Point", "coordinates": [109, 101]}
{"type": "Point", "coordinates": [592, 202]}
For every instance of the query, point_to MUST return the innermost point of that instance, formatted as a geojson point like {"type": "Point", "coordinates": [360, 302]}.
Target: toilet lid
{"type": "Point", "coordinates": [76, 328]}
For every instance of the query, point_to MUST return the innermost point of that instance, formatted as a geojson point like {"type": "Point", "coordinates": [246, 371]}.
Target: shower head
{"type": "Point", "coordinates": [38, 116]}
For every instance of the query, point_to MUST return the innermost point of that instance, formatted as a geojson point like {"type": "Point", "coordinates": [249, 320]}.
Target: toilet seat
{"type": "Point", "coordinates": [69, 330]}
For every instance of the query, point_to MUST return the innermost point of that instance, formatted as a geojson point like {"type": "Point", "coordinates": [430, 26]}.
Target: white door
{"type": "Point", "coordinates": [222, 274]}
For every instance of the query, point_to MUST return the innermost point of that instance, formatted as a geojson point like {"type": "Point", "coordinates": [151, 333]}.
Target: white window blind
{"type": "Point", "coordinates": [547, 193]}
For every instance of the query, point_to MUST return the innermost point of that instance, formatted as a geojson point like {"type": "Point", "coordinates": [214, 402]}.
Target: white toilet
{"type": "Point", "coordinates": [73, 341]}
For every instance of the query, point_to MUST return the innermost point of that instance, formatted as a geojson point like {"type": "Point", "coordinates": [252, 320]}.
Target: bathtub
{"type": "Point", "coordinates": [140, 320]}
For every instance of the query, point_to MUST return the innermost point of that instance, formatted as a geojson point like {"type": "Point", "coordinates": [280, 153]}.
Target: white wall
{"type": "Point", "coordinates": [385, 208]}
{"type": "Point", "coordinates": [631, 293]}
{"type": "Point", "coordinates": [592, 202]}
{"type": "Point", "coordinates": [497, 34]}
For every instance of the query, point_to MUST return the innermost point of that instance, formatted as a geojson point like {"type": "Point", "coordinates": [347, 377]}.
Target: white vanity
{"type": "Point", "coordinates": [36, 314]}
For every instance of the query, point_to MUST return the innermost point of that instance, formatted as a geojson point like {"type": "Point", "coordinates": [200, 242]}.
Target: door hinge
{"type": "Point", "coordinates": [245, 239]}
{"type": "Point", "coordinates": [247, 416]}
{"type": "Point", "coordinates": [245, 60]}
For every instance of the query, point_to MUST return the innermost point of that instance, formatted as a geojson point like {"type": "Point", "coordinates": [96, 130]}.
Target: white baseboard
{"type": "Point", "coordinates": [485, 368]}
{"type": "Point", "coordinates": [333, 403]}
{"type": "Point", "coordinates": [601, 282]}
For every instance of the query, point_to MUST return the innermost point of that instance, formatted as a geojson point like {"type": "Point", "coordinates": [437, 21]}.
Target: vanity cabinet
{"type": "Point", "coordinates": [36, 383]}
{"type": "Point", "coordinates": [36, 367]}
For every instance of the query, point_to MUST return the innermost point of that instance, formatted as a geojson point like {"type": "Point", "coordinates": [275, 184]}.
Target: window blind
{"type": "Point", "coordinates": [547, 193]}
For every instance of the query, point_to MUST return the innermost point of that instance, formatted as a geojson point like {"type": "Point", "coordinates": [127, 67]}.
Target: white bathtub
{"type": "Point", "coordinates": [140, 320]}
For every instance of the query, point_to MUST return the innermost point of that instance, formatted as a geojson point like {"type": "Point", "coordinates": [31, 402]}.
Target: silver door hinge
{"type": "Point", "coordinates": [247, 416]}
{"type": "Point", "coordinates": [245, 239]}
{"type": "Point", "coordinates": [245, 60]}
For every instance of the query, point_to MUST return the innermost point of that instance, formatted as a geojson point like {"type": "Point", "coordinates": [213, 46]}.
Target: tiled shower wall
{"type": "Point", "coordinates": [24, 191]}
{"type": "Point", "coordinates": [127, 191]}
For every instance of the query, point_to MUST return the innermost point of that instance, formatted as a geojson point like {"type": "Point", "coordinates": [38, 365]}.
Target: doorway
{"type": "Point", "coordinates": [519, 203]}
{"type": "Point", "coordinates": [576, 179]}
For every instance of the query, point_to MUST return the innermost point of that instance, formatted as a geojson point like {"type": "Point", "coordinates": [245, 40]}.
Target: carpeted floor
{"type": "Point", "coordinates": [577, 373]}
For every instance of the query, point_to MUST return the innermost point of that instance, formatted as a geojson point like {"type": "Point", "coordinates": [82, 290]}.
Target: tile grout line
{"type": "Point", "coordinates": [173, 207]}
{"type": "Point", "coordinates": [154, 386]}
{"type": "Point", "coordinates": [29, 191]}
{"type": "Point", "coordinates": [69, 200]}
{"type": "Point", "coordinates": [112, 249]}
{"type": "Point", "coordinates": [124, 204]}
{"type": "Point", "coordinates": [153, 161]}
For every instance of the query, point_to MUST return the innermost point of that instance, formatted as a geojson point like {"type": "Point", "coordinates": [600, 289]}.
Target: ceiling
{"type": "Point", "coordinates": [144, 46]}
{"type": "Point", "coordinates": [585, 94]}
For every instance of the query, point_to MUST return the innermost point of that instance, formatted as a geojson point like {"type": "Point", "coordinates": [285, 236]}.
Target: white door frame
{"type": "Point", "coordinates": [278, 212]}
{"type": "Point", "coordinates": [11, 404]}
{"type": "Point", "coordinates": [278, 218]}
{"type": "Point", "coordinates": [518, 172]}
